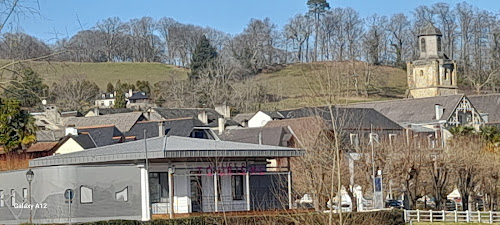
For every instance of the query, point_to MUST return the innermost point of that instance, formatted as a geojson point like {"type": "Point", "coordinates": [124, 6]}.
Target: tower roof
{"type": "Point", "coordinates": [430, 30]}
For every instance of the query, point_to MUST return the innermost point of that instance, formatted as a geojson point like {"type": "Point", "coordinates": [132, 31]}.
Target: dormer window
{"type": "Point", "coordinates": [103, 96]}
{"type": "Point", "coordinates": [422, 45]}
{"type": "Point", "coordinates": [439, 44]}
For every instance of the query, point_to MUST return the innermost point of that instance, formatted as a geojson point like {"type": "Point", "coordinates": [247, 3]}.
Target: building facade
{"type": "Point", "coordinates": [180, 175]}
{"type": "Point", "coordinates": [433, 74]}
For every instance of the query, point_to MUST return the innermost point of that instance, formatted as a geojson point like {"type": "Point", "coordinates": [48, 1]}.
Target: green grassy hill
{"type": "Point", "coordinates": [293, 83]}
{"type": "Point", "coordinates": [102, 73]}
{"type": "Point", "coordinates": [290, 82]}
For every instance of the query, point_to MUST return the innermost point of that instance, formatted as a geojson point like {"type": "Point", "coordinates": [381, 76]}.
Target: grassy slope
{"type": "Point", "coordinates": [291, 80]}
{"type": "Point", "coordinates": [102, 73]}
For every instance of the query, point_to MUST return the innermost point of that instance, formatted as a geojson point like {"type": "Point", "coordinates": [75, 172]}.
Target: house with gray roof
{"type": "Point", "coordinates": [488, 106]}
{"type": "Point", "coordinates": [182, 127]}
{"type": "Point", "coordinates": [161, 175]}
{"type": "Point", "coordinates": [122, 121]}
{"type": "Point", "coordinates": [447, 110]}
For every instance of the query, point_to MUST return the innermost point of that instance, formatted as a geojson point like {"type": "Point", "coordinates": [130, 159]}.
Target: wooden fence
{"type": "Point", "coordinates": [452, 216]}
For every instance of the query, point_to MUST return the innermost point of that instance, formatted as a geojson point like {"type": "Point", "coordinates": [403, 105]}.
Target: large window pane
{"type": "Point", "coordinates": [237, 185]}
{"type": "Point", "coordinates": [158, 187]}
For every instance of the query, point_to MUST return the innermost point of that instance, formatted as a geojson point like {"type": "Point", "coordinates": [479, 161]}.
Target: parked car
{"type": "Point", "coordinates": [392, 203]}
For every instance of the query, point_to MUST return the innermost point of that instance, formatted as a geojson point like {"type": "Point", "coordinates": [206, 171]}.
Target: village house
{"type": "Point", "coordinates": [135, 100]}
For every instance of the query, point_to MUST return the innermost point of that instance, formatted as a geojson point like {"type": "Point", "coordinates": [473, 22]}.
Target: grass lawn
{"type": "Point", "coordinates": [102, 73]}
{"type": "Point", "coordinates": [288, 82]}
{"type": "Point", "coordinates": [442, 223]}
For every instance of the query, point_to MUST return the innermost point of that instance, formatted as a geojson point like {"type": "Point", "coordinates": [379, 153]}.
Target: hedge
{"type": "Point", "coordinates": [394, 217]}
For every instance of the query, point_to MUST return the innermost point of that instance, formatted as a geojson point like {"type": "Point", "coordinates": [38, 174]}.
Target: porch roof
{"type": "Point", "coordinates": [167, 147]}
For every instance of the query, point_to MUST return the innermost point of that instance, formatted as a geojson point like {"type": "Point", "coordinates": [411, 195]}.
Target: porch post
{"type": "Point", "coordinates": [145, 203]}
{"type": "Point", "coordinates": [171, 191]}
{"type": "Point", "coordinates": [247, 194]}
{"type": "Point", "coordinates": [216, 191]}
{"type": "Point", "coordinates": [290, 206]}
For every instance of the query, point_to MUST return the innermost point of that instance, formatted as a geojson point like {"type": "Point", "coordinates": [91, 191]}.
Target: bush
{"type": "Point", "coordinates": [394, 217]}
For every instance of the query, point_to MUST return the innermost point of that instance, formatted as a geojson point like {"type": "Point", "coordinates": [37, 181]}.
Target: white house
{"type": "Point", "coordinates": [262, 117]}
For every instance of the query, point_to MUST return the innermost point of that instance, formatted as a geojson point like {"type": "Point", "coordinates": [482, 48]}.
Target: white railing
{"type": "Point", "coordinates": [452, 216]}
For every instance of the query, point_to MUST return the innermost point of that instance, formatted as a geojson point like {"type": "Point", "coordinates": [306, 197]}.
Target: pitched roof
{"type": "Point", "coordinates": [304, 128]}
{"type": "Point", "coordinates": [42, 146]}
{"type": "Point", "coordinates": [274, 114]}
{"type": "Point", "coordinates": [242, 117]}
{"type": "Point", "coordinates": [106, 111]}
{"type": "Point", "coordinates": [167, 147]}
{"type": "Point", "coordinates": [49, 135]}
{"type": "Point", "coordinates": [168, 113]}
{"type": "Point", "coordinates": [122, 121]}
{"type": "Point", "coordinates": [429, 30]}
{"type": "Point", "coordinates": [84, 140]}
{"type": "Point", "coordinates": [176, 127]}
{"type": "Point", "coordinates": [487, 104]}
{"type": "Point", "coordinates": [276, 136]}
{"type": "Point", "coordinates": [347, 118]}
{"type": "Point", "coordinates": [418, 110]}
{"type": "Point", "coordinates": [138, 95]}
{"type": "Point", "coordinates": [101, 135]}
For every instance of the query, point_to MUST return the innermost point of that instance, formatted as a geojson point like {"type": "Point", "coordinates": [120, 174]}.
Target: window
{"type": "Point", "coordinates": [445, 74]}
{"type": "Point", "coordinates": [237, 185]}
{"type": "Point", "coordinates": [219, 188]}
{"type": "Point", "coordinates": [86, 195]}
{"type": "Point", "coordinates": [421, 73]}
{"type": "Point", "coordinates": [102, 103]}
{"type": "Point", "coordinates": [374, 137]}
{"type": "Point", "coordinates": [122, 195]}
{"type": "Point", "coordinates": [2, 202]}
{"type": "Point", "coordinates": [199, 134]}
{"type": "Point", "coordinates": [422, 45]}
{"type": "Point", "coordinates": [158, 186]}
{"type": "Point", "coordinates": [439, 44]}
{"type": "Point", "coordinates": [354, 140]}
{"type": "Point", "coordinates": [25, 194]}
{"type": "Point", "coordinates": [391, 138]}
{"type": "Point", "coordinates": [110, 103]}
{"type": "Point", "coordinates": [12, 197]}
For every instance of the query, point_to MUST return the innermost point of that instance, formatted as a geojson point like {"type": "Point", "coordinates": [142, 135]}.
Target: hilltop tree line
{"type": "Point", "coordinates": [324, 33]}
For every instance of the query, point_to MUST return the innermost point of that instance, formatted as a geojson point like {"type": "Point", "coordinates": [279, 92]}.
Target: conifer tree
{"type": "Point", "coordinates": [203, 55]}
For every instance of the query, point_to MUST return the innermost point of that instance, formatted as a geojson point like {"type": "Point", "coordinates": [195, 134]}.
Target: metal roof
{"type": "Point", "coordinates": [167, 147]}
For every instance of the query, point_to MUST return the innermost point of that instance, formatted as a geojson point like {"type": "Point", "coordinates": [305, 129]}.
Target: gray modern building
{"type": "Point", "coordinates": [180, 175]}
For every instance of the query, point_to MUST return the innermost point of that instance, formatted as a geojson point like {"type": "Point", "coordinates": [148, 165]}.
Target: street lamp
{"type": "Point", "coordinates": [29, 178]}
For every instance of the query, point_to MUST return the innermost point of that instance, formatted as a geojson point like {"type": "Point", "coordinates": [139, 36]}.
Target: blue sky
{"type": "Point", "coordinates": [60, 18]}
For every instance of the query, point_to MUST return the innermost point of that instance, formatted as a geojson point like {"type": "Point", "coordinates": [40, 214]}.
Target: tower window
{"type": "Point", "coordinates": [439, 44]}
{"type": "Point", "coordinates": [422, 45]}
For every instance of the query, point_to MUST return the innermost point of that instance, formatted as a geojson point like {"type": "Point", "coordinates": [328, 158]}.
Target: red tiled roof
{"type": "Point", "coordinates": [42, 146]}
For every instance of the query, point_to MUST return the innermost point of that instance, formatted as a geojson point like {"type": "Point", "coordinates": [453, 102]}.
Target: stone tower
{"type": "Point", "coordinates": [433, 74]}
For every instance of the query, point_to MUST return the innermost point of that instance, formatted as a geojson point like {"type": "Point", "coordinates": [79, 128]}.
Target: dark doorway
{"type": "Point", "coordinates": [196, 193]}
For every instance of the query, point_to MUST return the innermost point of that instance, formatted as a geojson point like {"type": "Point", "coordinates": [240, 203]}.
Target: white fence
{"type": "Point", "coordinates": [451, 216]}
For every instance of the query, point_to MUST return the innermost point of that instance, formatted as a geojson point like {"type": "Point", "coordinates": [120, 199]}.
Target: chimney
{"type": "Point", "coordinates": [439, 111]}
{"type": "Point", "coordinates": [202, 116]}
{"type": "Point", "coordinates": [71, 130]}
{"type": "Point", "coordinates": [161, 129]}
{"type": "Point", "coordinates": [224, 110]}
{"type": "Point", "coordinates": [130, 93]}
{"type": "Point", "coordinates": [52, 114]}
{"type": "Point", "coordinates": [222, 122]}
{"type": "Point", "coordinates": [96, 111]}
